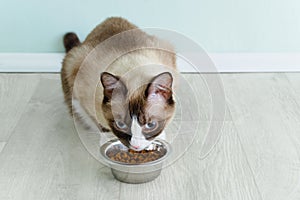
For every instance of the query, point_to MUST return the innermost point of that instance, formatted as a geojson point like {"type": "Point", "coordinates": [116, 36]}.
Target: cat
{"type": "Point", "coordinates": [133, 97]}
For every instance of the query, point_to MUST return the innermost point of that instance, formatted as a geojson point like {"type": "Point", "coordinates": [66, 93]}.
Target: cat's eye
{"type": "Point", "coordinates": [151, 125]}
{"type": "Point", "coordinates": [120, 125]}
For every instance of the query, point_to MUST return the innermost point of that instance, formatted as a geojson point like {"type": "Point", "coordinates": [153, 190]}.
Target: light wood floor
{"type": "Point", "coordinates": [257, 156]}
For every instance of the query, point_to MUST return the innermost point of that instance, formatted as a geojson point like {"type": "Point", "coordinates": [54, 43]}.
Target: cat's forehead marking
{"type": "Point", "coordinates": [137, 103]}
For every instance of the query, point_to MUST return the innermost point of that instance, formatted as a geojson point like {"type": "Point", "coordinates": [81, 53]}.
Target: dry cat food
{"type": "Point", "coordinates": [120, 154]}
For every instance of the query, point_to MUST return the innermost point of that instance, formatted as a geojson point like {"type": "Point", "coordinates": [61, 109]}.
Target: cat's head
{"type": "Point", "coordinates": [137, 116]}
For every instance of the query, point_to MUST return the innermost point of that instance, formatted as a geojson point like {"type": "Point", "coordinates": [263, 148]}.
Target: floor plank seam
{"type": "Point", "coordinates": [293, 89]}
{"type": "Point", "coordinates": [247, 161]}
{"type": "Point", "coordinates": [3, 147]}
{"type": "Point", "coordinates": [120, 189]}
{"type": "Point", "coordinates": [244, 152]}
{"type": "Point", "coordinates": [21, 116]}
{"type": "Point", "coordinates": [297, 102]}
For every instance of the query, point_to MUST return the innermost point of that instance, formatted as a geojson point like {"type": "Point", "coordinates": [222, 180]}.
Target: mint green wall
{"type": "Point", "coordinates": [218, 25]}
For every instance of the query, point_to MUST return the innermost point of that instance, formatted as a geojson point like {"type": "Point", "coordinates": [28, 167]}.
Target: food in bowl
{"type": "Point", "coordinates": [124, 155]}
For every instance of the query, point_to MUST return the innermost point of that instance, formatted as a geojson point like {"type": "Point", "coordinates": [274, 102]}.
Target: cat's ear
{"type": "Point", "coordinates": [160, 87]}
{"type": "Point", "coordinates": [112, 84]}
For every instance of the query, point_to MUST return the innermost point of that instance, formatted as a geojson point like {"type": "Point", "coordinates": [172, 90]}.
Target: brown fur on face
{"type": "Point", "coordinates": [151, 102]}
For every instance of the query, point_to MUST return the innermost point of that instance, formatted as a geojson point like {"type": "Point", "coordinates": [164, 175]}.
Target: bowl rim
{"type": "Point", "coordinates": [109, 143]}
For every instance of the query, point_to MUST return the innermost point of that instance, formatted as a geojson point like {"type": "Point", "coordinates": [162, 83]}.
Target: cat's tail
{"type": "Point", "coordinates": [70, 40]}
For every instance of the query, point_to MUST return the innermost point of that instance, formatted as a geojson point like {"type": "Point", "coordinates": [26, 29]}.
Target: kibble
{"type": "Point", "coordinates": [135, 157]}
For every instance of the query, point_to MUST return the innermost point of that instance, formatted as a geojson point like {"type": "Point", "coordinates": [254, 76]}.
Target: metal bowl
{"type": "Point", "coordinates": [135, 173]}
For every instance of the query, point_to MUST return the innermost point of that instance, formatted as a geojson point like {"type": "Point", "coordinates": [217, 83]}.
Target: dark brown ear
{"type": "Point", "coordinates": [112, 84]}
{"type": "Point", "coordinates": [160, 87]}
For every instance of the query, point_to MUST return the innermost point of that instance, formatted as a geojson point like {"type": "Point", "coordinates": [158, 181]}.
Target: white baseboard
{"type": "Point", "coordinates": [257, 62]}
{"type": "Point", "coordinates": [225, 62]}
{"type": "Point", "coordinates": [30, 62]}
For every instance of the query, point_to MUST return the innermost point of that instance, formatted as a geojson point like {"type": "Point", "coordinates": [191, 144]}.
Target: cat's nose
{"type": "Point", "coordinates": [136, 147]}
